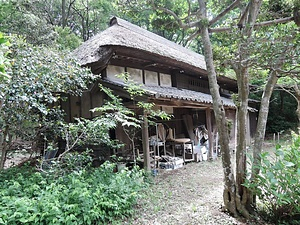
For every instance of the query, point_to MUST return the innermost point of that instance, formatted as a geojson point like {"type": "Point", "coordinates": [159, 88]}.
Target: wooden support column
{"type": "Point", "coordinates": [248, 132]}
{"type": "Point", "coordinates": [210, 136]}
{"type": "Point", "coordinates": [235, 129]}
{"type": "Point", "coordinates": [145, 140]}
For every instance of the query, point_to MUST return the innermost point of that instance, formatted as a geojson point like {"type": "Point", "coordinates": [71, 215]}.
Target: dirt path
{"type": "Point", "coordinates": [187, 196]}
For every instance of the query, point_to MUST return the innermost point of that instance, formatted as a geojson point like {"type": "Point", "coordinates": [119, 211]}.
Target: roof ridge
{"type": "Point", "coordinates": [144, 32]}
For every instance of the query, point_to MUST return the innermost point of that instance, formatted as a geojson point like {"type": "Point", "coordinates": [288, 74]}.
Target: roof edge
{"type": "Point", "coordinates": [151, 35]}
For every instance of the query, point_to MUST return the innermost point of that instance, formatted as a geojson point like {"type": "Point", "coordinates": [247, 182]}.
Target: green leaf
{"type": "Point", "coordinates": [289, 164]}
{"type": "Point", "coordinates": [2, 221]}
{"type": "Point", "coordinates": [23, 220]}
{"type": "Point", "coordinates": [274, 181]}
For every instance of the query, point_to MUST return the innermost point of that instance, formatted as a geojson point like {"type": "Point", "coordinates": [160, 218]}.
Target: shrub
{"type": "Point", "coordinates": [277, 185]}
{"type": "Point", "coordinates": [90, 196]}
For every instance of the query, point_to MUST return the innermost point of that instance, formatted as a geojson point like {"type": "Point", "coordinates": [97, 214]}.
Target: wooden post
{"type": "Point", "coordinates": [145, 139]}
{"type": "Point", "coordinates": [210, 137]}
{"type": "Point", "coordinates": [235, 129]}
{"type": "Point", "coordinates": [248, 132]}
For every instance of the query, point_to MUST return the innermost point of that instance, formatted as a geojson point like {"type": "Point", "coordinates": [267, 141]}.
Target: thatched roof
{"type": "Point", "coordinates": [124, 34]}
{"type": "Point", "coordinates": [196, 99]}
{"type": "Point", "coordinates": [184, 94]}
{"type": "Point", "coordinates": [171, 94]}
{"type": "Point", "coordinates": [126, 44]}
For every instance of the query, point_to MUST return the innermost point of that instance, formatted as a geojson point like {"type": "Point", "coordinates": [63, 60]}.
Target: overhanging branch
{"type": "Point", "coordinates": [193, 35]}
{"type": "Point", "coordinates": [224, 12]}
{"type": "Point", "coordinates": [176, 17]}
{"type": "Point", "coordinates": [243, 17]}
{"type": "Point", "coordinates": [271, 22]}
{"type": "Point", "coordinates": [261, 24]}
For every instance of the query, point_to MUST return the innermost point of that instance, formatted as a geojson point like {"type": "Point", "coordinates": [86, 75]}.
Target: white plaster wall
{"type": "Point", "coordinates": [136, 74]}
{"type": "Point", "coordinates": [112, 71]}
{"type": "Point", "coordinates": [165, 80]}
{"type": "Point", "coordinates": [151, 78]}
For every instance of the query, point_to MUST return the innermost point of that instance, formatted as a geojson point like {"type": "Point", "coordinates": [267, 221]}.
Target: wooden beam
{"type": "Point", "coordinates": [210, 136]}
{"type": "Point", "coordinates": [145, 140]}
{"type": "Point", "coordinates": [179, 103]}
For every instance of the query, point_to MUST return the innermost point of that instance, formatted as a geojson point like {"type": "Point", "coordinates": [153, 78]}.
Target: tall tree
{"type": "Point", "coordinates": [83, 17]}
{"type": "Point", "coordinates": [37, 20]}
{"type": "Point", "coordinates": [203, 21]}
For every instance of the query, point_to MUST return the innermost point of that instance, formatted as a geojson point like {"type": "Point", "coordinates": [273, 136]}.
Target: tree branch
{"type": "Point", "coordinates": [193, 35]}
{"type": "Point", "coordinates": [271, 22]}
{"type": "Point", "coordinates": [254, 6]}
{"type": "Point", "coordinates": [189, 10]}
{"type": "Point", "coordinates": [261, 24]}
{"type": "Point", "coordinates": [219, 29]}
{"type": "Point", "coordinates": [291, 71]}
{"type": "Point", "coordinates": [176, 17]}
{"type": "Point", "coordinates": [224, 12]}
{"type": "Point", "coordinates": [288, 91]}
{"type": "Point", "coordinates": [243, 17]}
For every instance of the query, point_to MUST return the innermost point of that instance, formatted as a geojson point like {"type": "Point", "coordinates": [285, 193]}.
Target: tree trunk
{"type": "Point", "coordinates": [242, 115]}
{"type": "Point", "coordinates": [242, 193]}
{"type": "Point", "coordinates": [261, 129]}
{"type": "Point", "coordinates": [63, 14]}
{"type": "Point", "coordinates": [145, 137]}
{"type": "Point", "coordinates": [229, 188]}
{"type": "Point", "coordinates": [298, 110]}
{"type": "Point", "coordinates": [235, 195]}
{"type": "Point", "coordinates": [210, 135]}
{"type": "Point", "coordinates": [229, 182]}
{"type": "Point", "coordinates": [297, 97]}
{"type": "Point", "coordinates": [4, 145]}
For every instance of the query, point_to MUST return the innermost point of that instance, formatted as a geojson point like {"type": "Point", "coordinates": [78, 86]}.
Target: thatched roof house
{"type": "Point", "coordinates": [174, 77]}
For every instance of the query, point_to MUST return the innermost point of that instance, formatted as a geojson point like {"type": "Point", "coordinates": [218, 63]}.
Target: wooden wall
{"type": "Point", "coordinates": [80, 106]}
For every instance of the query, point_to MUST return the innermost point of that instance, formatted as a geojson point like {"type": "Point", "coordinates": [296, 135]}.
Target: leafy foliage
{"type": "Point", "coordinates": [38, 20]}
{"type": "Point", "coordinates": [84, 18]}
{"type": "Point", "coordinates": [277, 186]}
{"type": "Point", "coordinates": [38, 75]}
{"type": "Point", "coordinates": [115, 112]}
{"type": "Point", "coordinates": [143, 14]}
{"type": "Point", "coordinates": [66, 39]}
{"type": "Point", "coordinates": [85, 196]}
{"type": "Point", "coordinates": [4, 61]}
{"type": "Point", "coordinates": [136, 91]}
{"type": "Point", "coordinates": [278, 8]}
{"type": "Point", "coordinates": [282, 115]}
{"type": "Point", "coordinates": [84, 133]}
{"type": "Point", "coordinates": [16, 18]}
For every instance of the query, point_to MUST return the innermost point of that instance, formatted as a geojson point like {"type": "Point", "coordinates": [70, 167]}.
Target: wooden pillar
{"type": "Point", "coordinates": [248, 132]}
{"type": "Point", "coordinates": [235, 129]}
{"type": "Point", "coordinates": [210, 136]}
{"type": "Point", "coordinates": [145, 140]}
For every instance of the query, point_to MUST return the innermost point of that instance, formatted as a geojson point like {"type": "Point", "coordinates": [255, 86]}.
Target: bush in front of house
{"type": "Point", "coordinates": [87, 196]}
{"type": "Point", "coordinates": [277, 186]}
